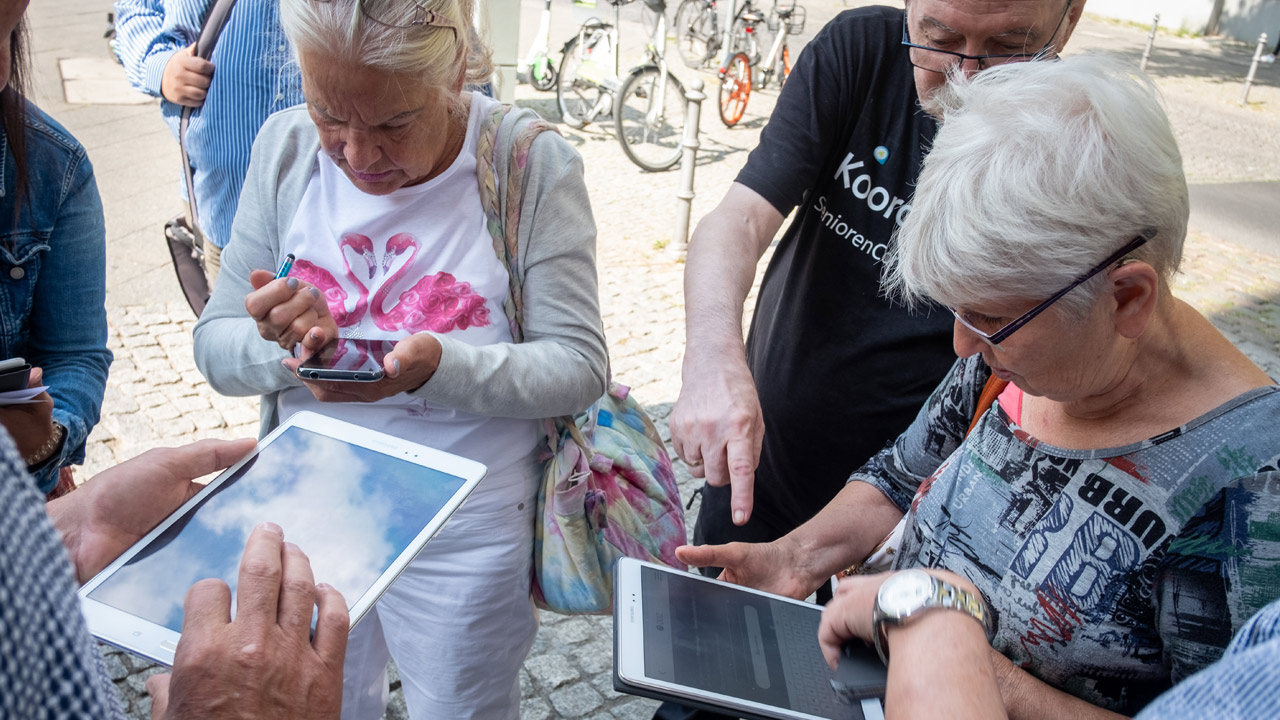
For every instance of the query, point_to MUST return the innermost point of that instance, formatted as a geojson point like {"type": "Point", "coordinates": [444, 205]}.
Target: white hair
{"type": "Point", "coordinates": [1039, 171]}
{"type": "Point", "coordinates": [345, 30]}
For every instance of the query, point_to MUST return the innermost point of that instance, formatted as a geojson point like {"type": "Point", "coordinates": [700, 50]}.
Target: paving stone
{"type": "Point", "coordinates": [635, 709]}
{"type": "Point", "coordinates": [576, 700]}
{"type": "Point", "coordinates": [603, 683]}
{"type": "Point", "coordinates": [140, 340]}
{"type": "Point", "coordinates": [137, 682]}
{"type": "Point", "coordinates": [188, 404]}
{"type": "Point", "coordinates": [536, 709]}
{"type": "Point", "coordinates": [179, 428]}
{"type": "Point", "coordinates": [130, 427]}
{"type": "Point", "coordinates": [551, 670]}
{"type": "Point", "coordinates": [163, 414]}
{"type": "Point", "coordinates": [206, 420]}
{"type": "Point", "coordinates": [114, 664]}
{"type": "Point", "coordinates": [141, 707]}
{"type": "Point", "coordinates": [527, 687]}
{"type": "Point", "coordinates": [591, 660]}
{"type": "Point", "coordinates": [576, 630]}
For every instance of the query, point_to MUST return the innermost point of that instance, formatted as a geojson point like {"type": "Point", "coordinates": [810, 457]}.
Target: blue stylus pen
{"type": "Point", "coordinates": [285, 266]}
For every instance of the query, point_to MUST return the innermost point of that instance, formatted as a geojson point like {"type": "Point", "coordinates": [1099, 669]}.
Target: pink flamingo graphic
{"type": "Point", "coordinates": [436, 302]}
{"type": "Point", "coordinates": [334, 294]}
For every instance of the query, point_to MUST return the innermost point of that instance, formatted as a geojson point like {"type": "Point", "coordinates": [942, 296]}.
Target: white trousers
{"type": "Point", "coordinates": [459, 621]}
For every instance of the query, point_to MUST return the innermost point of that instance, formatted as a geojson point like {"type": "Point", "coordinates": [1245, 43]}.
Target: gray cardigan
{"type": "Point", "coordinates": [558, 370]}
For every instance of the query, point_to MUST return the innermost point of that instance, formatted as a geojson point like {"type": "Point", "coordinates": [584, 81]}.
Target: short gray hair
{"type": "Point", "coordinates": [343, 30]}
{"type": "Point", "coordinates": [1039, 171]}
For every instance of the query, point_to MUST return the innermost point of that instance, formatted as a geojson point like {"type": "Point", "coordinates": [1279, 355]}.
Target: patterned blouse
{"type": "Point", "coordinates": [1111, 573]}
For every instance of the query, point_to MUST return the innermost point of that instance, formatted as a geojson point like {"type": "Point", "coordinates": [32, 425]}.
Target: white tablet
{"type": "Point", "coordinates": [359, 503]}
{"type": "Point", "coordinates": [705, 643]}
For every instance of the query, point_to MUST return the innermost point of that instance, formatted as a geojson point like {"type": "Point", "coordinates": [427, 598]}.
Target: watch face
{"type": "Point", "coordinates": [904, 592]}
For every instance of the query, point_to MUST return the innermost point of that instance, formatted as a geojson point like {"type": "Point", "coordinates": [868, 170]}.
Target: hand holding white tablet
{"type": "Point", "coordinates": [265, 663]}
{"type": "Point", "coordinates": [119, 505]}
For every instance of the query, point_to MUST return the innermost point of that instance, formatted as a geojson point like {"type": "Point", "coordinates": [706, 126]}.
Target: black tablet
{"type": "Point", "coordinates": [705, 643]}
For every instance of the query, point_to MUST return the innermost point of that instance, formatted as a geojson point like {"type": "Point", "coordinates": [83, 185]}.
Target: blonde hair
{"type": "Point", "coordinates": [378, 34]}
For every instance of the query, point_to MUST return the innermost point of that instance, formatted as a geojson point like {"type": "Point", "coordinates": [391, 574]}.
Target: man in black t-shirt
{"type": "Point", "coordinates": [831, 370]}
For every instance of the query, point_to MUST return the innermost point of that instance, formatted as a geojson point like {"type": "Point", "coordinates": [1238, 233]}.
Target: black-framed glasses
{"type": "Point", "coordinates": [994, 339]}
{"type": "Point", "coordinates": [940, 61]}
{"type": "Point", "coordinates": [422, 17]}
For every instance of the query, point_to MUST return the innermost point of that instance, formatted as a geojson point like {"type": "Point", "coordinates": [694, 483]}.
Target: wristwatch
{"type": "Point", "coordinates": [911, 592]}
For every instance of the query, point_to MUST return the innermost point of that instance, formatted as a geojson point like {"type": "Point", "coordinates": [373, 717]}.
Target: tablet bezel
{"type": "Point", "coordinates": [629, 649]}
{"type": "Point", "coordinates": [158, 643]}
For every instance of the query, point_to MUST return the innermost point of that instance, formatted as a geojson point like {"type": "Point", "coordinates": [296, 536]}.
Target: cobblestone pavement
{"type": "Point", "coordinates": [155, 396]}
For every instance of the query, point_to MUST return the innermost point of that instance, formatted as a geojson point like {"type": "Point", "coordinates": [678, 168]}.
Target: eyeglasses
{"type": "Point", "coordinates": [940, 61]}
{"type": "Point", "coordinates": [994, 339]}
{"type": "Point", "coordinates": [422, 17]}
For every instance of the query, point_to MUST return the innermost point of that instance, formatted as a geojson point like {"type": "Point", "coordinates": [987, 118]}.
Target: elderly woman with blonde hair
{"type": "Point", "coordinates": [1114, 515]}
{"type": "Point", "coordinates": [374, 187]}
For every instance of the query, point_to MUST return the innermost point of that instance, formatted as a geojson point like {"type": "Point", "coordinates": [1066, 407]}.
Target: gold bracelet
{"type": "Point", "coordinates": [47, 448]}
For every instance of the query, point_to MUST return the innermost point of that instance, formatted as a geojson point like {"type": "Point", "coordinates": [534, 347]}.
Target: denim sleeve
{"type": "Point", "coordinates": [937, 431]}
{"type": "Point", "coordinates": [149, 32]}
{"type": "Point", "coordinates": [1244, 684]}
{"type": "Point", "coordinates": [68, 323]}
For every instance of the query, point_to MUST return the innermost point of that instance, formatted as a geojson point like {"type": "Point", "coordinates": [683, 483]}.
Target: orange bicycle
{"type": "Point", "coordinates": [743, 54]}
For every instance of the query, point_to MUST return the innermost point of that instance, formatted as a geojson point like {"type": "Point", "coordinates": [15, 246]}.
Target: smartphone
{"type": "Point", "coordinates": [347, 361]}
{"type": "Point", "coordinates": [15, 374]}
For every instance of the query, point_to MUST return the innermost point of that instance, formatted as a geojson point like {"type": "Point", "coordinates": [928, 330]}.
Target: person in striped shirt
{"type": "Point", "coordinates": [249, 76]}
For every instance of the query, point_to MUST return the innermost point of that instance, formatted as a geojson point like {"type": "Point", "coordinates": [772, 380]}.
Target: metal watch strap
{"type": "Point", "coordinates": [945, 596]}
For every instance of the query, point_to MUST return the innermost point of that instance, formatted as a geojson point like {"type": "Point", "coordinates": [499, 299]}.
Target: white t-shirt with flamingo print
{"type": "Point", "coordinates": [419, 259]}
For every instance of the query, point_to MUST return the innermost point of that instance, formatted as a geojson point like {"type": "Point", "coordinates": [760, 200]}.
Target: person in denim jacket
{"type": "Point", "coordinates": [52, 276]}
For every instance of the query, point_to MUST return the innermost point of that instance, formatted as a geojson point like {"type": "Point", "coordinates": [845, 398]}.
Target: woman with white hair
{"type": "Point", "coordinates": [374, 186]}
{"type": "Point", "coordinates": [1117, 508]}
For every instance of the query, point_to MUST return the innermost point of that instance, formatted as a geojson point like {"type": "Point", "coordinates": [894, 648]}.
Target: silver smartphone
{"type": "Point", "coordinates": [347, 361]}
{"type": "Point", "coordinates": [360, 504]}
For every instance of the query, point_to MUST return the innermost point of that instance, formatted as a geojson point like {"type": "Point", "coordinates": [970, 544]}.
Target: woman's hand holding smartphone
{"type": "Point", "coordinates": [367, 370]}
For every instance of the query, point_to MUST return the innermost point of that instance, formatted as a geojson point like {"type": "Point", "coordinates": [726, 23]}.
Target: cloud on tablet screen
{"type": "Point", "coordinates": [330, 498]}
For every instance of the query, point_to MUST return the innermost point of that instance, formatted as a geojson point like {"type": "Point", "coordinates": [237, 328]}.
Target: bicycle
{"type": "Point", "coordinates": [744, 53]}
{"type": "Point", "coordinates": [697, 31]}
{"type": "Point", "coordinates": [648, 105]}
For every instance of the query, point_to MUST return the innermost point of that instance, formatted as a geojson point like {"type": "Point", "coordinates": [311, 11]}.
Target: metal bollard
{"type": "Point", "coordinates": [1253, 68]}
{"type": "Point", "coordinates": [694, 97]}
{"type": "Point", "coordinates": [1151, 40]}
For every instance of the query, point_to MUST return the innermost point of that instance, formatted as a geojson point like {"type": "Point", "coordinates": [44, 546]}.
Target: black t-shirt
{"type": "Point", "coordinates": [840, 370]}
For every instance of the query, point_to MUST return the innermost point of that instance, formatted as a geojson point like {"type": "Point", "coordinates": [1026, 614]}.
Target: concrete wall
{"type": "Point", "coordinates": [504, 38]}
{"type": "Point", "coordinates": [1239, 19]}
{"type": "Point", "coordinates": [1246, 19]}
{"type": "Point", "coordinates": [1174, 14]}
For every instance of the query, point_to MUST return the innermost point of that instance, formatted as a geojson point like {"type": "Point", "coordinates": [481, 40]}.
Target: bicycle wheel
{"type": "Point", "coordinates": [575, 95]}
{"type": "Point", "coordinates": [696, 32]}
{"type": "Point", "coordinates": [651, 135]}
{"type": "Point", "coordinates": [542, 74]}
{"type": "Point", "coordinates": [735, 89]}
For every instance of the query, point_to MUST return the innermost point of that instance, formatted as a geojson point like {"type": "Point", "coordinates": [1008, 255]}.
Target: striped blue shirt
{"type": "Point", "coordinates": [1243, 685]}
{"type": "Point", "coordinates": [254, 76]}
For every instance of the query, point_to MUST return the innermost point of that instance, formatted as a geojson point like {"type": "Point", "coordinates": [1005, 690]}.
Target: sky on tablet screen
{"type": "Point", "coordinates": [350, 509]}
